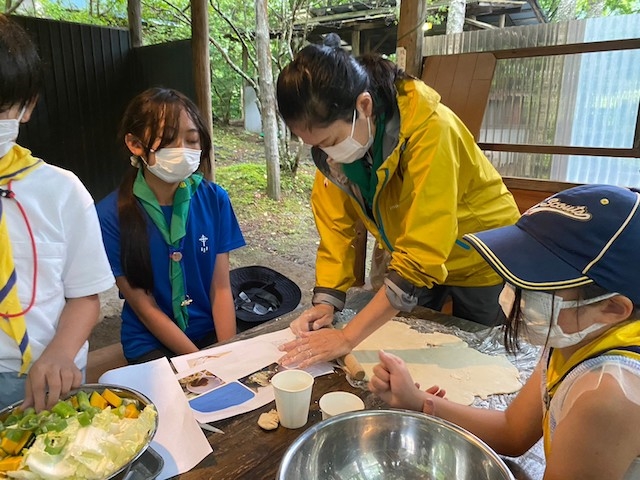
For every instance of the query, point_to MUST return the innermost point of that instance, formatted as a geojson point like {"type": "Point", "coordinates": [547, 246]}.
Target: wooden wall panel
{"type": "Point", "coordinates": [91, 73]}
{"type": "Point", "coordinates": [86, 86]}
{"type": "Point", "coordinates": [463, 81]}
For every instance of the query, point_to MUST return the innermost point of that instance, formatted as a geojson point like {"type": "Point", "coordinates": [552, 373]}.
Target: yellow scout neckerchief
{"type": "Point", "coordinates": [612, 342]}
{"type": "Point", "coordinates": [16, 164]}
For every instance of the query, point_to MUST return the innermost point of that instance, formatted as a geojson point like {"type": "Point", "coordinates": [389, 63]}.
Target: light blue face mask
{"type": "Point", "coordinates": [9, 130]}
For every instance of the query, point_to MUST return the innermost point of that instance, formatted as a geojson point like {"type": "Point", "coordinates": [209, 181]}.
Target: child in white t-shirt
{"type": "Point", "coordinates": [52, 260]}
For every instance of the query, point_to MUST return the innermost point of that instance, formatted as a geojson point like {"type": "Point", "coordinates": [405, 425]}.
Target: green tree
{"type": "Point", "coordinates": [561, 10]}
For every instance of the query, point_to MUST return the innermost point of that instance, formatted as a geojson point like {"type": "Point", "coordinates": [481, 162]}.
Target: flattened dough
{"type": "Point", "coordinates": [404, 338]}
{"type": "Point", "coordinates": [462, 371]}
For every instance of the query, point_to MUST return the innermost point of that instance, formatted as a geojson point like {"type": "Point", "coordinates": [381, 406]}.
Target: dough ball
{"type": "Point", "coordinates": [269, 420]}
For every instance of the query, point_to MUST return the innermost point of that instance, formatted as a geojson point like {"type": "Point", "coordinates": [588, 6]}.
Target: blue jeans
{"type": "Point", "coordinates": [11, 388]}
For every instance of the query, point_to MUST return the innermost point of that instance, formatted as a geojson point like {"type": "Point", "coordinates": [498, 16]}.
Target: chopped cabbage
{"type": "Point", "coordinates": [92, 452]}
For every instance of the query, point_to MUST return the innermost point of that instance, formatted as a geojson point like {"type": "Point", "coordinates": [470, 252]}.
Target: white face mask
{"type": "Point", "coordinates": [540, 312]}
{"type": "Point", "coordinates": [349, 150]}
{"type": "Point", "coordinates": [174, 165]}
{"type": "Point", "coordinates": [9, 129]}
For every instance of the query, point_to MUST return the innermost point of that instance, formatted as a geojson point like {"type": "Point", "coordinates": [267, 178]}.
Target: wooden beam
{"type": "Point", "coordinates": [358, 15]}
{"type": "Point", "coordinates": [562, 150]}
{"type": "Point", "coordinates": [410, 34]}
{"type": "Point", "coordinates": [569, 49]}
{"type": "Point", "coordinates": [202, 65]}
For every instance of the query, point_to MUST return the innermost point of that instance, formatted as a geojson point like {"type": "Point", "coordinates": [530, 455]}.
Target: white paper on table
{"type": "Point", "coordinates": [237, 360]}
{"type": "Point", "coordinates": [179, 439]}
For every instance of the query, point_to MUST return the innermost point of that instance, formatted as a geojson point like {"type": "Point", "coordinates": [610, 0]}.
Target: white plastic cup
{"type": "Point", "coordinates": [335, 403]}
{"type": "Point", "coordinates": [292, 389]}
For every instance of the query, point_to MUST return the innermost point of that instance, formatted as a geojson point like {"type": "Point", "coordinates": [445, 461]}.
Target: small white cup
{"type": "Point", "coordinates": [334, 403]}
{"type": "Point", "coordinates": [292, 389]}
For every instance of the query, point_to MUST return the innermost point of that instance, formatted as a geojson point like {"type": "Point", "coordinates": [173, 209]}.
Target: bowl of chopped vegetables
{"type": "Point", "coordinates": [96, 432]}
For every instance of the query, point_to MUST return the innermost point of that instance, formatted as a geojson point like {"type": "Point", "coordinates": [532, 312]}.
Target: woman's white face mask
{"type": "Point", "coordinates": [349, 150]}
{"type": "Point", "coordinates": [540, 312]}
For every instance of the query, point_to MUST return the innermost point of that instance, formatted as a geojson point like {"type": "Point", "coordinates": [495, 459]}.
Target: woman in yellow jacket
{"type": "Point", "coordinates": [390, 154]}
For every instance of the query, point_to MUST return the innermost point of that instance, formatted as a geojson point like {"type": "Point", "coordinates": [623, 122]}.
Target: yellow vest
{"type": "Point", "coordinates": [626, 334]}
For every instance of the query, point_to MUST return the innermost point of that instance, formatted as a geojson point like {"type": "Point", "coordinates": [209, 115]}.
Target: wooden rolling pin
{"type": "Point", "coordinates": [351, 365]}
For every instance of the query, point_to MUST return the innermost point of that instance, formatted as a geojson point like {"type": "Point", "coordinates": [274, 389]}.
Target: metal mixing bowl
{"type": "Point", "coordinates": [122, 392]}
{"type": "Point", "coordinates": [389, 445]}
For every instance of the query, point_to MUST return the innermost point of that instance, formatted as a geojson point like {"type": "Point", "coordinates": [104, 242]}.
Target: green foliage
{"type": "Point", "coordinates": [289, 221]}
{"type": "Point", "coordinates": [111, 13]}
{"type": "Point", "coordinates": [590, 8]}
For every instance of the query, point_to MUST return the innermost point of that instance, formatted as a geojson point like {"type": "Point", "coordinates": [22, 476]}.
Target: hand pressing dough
{"type": "Point", "coordinates": [437, 359]}
{"type": "Point", "coordinates": [269, 420]}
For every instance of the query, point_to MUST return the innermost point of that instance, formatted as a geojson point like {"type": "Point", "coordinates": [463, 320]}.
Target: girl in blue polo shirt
{"type": "Point", "coordinates": [168, 232]}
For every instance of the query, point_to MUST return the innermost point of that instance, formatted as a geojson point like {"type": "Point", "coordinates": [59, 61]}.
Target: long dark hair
{"type": "Point", "coordinates": [322, 83]}
{"type": "Point", "coordinates": [155, 113]}
{"type": "Point", "coordinates": [20, 66]}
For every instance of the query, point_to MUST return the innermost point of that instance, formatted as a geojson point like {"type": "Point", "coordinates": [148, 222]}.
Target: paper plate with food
{"type": "Point", "coordinates": [96, 432]}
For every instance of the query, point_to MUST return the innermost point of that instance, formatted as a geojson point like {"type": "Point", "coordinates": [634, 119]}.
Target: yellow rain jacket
{"type": "Point", "coordinates": [434, 186]}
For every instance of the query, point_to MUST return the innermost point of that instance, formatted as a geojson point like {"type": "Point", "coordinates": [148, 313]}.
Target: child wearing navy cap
{"type": "Point", "coordinates": [570, 266]}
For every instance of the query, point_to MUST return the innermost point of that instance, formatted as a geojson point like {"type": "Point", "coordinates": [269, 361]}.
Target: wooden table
{"type": "Point", "coordinates": [246, 451]}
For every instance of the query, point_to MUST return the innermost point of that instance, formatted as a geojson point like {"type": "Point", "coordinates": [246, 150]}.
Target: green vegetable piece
{"type": "Point", "coordinates": [55, 425]}
{"type": "Point", "coordinates": [29, 422]}
{"type": "Point", "coordinates": [29, 411]}
{"type": "Point", "coordinates": [84, 419]}
{"type": "Point", "coordinates": [54, 444]}
{"type": "Point", "coordinates": [11, 420]}
{"type": "Point", "coordinates": [94, 411]}
{"type": "Point", "coordinates": [83, 400]}
{"type": "Point", "coordinates": [120, 411]}
{"type": "Point", "coordinates": [2, 427]}
{"type": "Point", "coordinates": [13, 434]}
{"type": "Point", "coordinates": [64, 409]}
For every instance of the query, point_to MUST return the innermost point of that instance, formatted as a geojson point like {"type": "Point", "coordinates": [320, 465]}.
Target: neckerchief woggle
{"type": "Point", "coordinates": [16, 164]}
{"type": "Point", "coordinates": [173, 235]}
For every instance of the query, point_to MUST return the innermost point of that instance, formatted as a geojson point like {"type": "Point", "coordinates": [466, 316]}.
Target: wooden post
{"type": "Point", "coordinates": [134, 14]}
{"type": "Point", "coordinates": [202, 65]}
{"type": "Point", "coordinates": [355, 43]}
{"type": "Point", "coordinates": [410, 34]}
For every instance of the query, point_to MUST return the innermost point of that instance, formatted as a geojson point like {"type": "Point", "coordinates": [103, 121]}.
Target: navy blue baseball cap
{"type": "Point", "coordinates": [576, 237]}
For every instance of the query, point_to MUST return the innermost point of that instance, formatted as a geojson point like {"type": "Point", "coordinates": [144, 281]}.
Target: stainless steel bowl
{"type": "Point", "coordinates": [390, 444]}
{"type": "Point", "coordinates": [123, 392]}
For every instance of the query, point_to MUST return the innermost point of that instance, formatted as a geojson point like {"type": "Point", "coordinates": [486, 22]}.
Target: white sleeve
{"type": "Point", "coordinates": [86, 268]}
{"type": "Point", "coordinates": [625, 371]}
